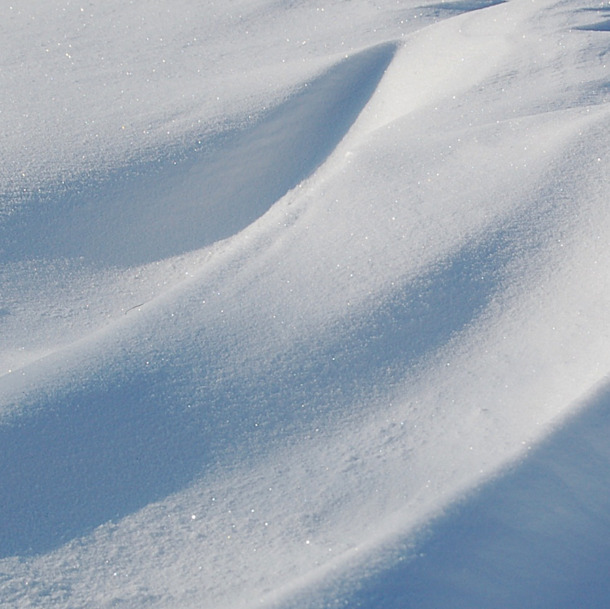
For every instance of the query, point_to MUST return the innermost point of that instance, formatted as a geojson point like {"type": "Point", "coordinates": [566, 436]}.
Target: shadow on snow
{"type": "Point", "coordinates": [536, 537]}
{"type": "Point", "coordinates": [120, 437]}
{"type": "Point", "coordinates": [143, 214]}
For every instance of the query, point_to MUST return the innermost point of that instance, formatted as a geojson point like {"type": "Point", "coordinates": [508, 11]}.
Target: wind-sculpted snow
{"type": "Point", "coordinates": [543, 524]}
{"type": "Point", "coordinates": [142, 214]}
{"type": "Point", "coordinates": [124, 447]}
{"type": "Point", "coordinates": [598, 26]}
{"type": "Point", "coordinates": [305, 306]}
{"type": "Point", "coordinates": [104, 432]}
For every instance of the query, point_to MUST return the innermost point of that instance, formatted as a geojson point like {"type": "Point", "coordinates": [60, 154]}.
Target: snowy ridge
{"type": "Point", "coordinates": [153, 212]}
{"type": "Point", "coordinates": [295, 357]}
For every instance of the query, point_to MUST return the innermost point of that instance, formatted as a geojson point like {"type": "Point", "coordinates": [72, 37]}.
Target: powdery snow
{"type": "Point", "coordinates": [304, 305]}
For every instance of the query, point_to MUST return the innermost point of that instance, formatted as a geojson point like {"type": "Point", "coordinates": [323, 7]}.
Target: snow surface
{"type": "Point", "coordinates": [304, 304]}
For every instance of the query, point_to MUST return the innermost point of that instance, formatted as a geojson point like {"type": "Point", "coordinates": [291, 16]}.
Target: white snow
{"type": "Point", "coordinates": [304, 304]}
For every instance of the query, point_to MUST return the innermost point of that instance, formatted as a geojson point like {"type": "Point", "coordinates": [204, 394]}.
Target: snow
{"type": "Point", "coordinates": [304, 304]}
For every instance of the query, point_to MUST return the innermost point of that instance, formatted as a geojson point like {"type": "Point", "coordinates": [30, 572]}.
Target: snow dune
{"type": "Point", "coordinates": [141, 214]}
{"type": "Point", "coordinates": [304, 306]}
{"type": "Point", "coordinates": [536, 536]}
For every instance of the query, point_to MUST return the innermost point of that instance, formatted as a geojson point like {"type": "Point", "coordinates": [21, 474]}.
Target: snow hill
{"type": "Point", "coordinates": [304, 305]}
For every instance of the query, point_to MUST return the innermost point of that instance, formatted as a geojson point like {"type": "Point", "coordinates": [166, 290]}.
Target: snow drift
{"type": "Point", "coordinates": [304, 306]}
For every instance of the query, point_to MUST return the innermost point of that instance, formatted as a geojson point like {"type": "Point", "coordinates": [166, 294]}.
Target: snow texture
{"type": "Point", "coordinates": [304, 305]}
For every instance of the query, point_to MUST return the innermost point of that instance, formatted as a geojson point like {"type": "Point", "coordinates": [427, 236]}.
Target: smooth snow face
{"type": "Point", "coordinates": [282, 283]}
{"type": "Point", "coordinates": [196, 199]}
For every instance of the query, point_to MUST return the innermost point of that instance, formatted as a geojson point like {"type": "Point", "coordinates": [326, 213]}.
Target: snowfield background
{"type": "Point", "coordinates": [304, 304]}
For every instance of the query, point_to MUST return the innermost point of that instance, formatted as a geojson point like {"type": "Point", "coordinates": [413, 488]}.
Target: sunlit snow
{"type": "Point", "coordinates": [304, 305]}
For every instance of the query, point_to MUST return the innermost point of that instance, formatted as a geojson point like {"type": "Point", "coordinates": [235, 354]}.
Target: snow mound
{"type": "Point", "coordinates": [143, 213]}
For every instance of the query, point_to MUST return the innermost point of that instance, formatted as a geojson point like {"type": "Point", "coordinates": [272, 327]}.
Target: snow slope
{"type": "Point", "coordinates": [304, 305]}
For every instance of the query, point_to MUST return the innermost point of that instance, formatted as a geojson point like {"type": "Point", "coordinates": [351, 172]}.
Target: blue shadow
{"type": "Point", "coordinates": [537, 536]}
{"type": "Point", "coordinates": [150, 211]}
